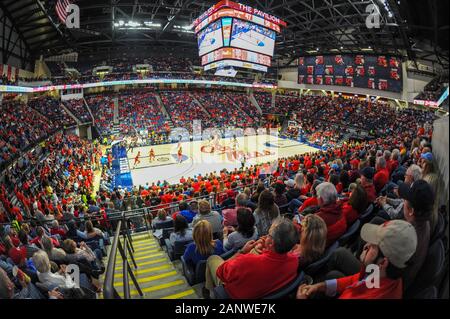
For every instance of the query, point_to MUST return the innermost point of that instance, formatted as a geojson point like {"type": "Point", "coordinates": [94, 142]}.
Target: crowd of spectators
{"type": "Point", "coordinates": [224, 110]}
{"type": "Point", "coordinates": [433, 90]}
{"type": "Point", "coordinates": [183, 109]}
{"type": "Point", "coordinates": [102, 106]}
{"type": "Point", "coordinates": [51, 108]}
{"type": "Point", "coordinates": [79, 110]}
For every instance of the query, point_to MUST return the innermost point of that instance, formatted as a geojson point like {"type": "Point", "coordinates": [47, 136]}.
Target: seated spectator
{"type": "Point", "coordinates": [181, 231]}
{"type": "Point", "coordinates": [381, 177]}
{"type": "Point", "coordinates": [251, 276]}
{"type": "Point", "coordinates": [331, 212]}
{"type": "Point", "coordinates": [60, 279]}
{"type": "Point", "coordinates": [213, 217]}
{"type": "Point", "coordinates": [389, 246]}
{"type": "Point", "coordinates": [418, 205]}
{"type": "Point", "coordinates": [244, 232]}
{"type": "Point", "coordinates": [392, 208]}
{"type": "Point", "coordinates": [204, 245]}
{"type": "Point", "coordinates": [367, 174]}
{"type": "Point", "coordinates": [266, 212]}
{"type": "Point", "coordinates": [355, 206]}
{"type": "Point", "coordinates": [26, 247]}
{"type": "Point", "coordinates": [55, 229]}
{"type": "Point", "coordinates": [24, 290]}
{"type": "Point", "coordinates": [230, 214]}
{"type": "Point", "coordinates": [311, 201]}
{"type": "Point", "coordinates": [161, 218]}
{"type": "Point", "coordinates": [279, 197]}
{"type": "Point", "coordinates": [185, 212]}
{"type": "Point", "coordinates": [313, 240]}
{"type": "Point", "coordinates": [57, 255]}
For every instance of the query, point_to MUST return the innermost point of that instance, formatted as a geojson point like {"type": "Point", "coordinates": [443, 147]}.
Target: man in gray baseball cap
{"type": "Point", "coordinates": [389, 248]}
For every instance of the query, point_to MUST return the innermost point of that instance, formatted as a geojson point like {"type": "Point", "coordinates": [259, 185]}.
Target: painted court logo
{"type": "Point", "coordinates": [68, 13]}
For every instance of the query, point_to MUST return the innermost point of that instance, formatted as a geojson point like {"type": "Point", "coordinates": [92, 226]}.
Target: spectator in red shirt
{"type": "Point", "coordinates": [367, 174]}
{"type": "Point", "coordinates": [311, 201]}
{"type": "Point", "coordinates": [230, 214]}
{"type": "Point", "coordinates": [331, 212]}
{"type": "Point", "coordinates": [381, 177]}
{"type": "Point", "coordinates": [250, 276]}
{"type": "Point", "coordinates": [389, 246]}
{"type": "Point", "coordinates": [355, 206]}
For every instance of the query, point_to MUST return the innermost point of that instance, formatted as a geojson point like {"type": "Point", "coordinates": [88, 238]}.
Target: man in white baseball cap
{"type": "Point", "coordinates": [389, 247]}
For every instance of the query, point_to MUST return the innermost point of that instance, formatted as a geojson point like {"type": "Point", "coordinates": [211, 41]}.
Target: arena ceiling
{"type": "Point", "coordinates": [416, 28]}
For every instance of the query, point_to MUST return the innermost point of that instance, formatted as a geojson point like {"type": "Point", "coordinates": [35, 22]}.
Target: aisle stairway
{"type": "Point", "coordinates": [156, 274]}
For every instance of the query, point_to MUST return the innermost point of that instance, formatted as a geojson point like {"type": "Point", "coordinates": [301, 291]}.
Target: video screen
{"type": "Point", "coordinates": [210, 38]}
{"type": "Point", "coordinates": [378, 72]}
{"type": "Point", "coordinates": [252, 37]}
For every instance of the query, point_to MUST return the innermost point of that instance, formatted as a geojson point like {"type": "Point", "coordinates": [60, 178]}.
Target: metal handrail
{"type": "Point", "coordinates": [109, 292]}
{"type": "Point", "coordinates": [127, 250]}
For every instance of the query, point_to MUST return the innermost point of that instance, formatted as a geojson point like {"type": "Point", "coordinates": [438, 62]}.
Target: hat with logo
{"type": "Point", "coordinates": [397, 240]}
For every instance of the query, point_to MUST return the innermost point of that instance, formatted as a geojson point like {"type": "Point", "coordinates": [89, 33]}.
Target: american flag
{"type": "Point", "coordinates": [61, 6]}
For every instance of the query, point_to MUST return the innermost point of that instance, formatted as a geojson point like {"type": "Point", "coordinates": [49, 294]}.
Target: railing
{"type": "Point", "coordinates": [109, 291]}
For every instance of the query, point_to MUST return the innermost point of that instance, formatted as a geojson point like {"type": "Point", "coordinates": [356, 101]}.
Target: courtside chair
{"type": "Point", "coordinates": [431, 271]}
{"type": "Point", "coordinates": [351, 232]}
{"type": "Point", "coordinates": [315, 267]}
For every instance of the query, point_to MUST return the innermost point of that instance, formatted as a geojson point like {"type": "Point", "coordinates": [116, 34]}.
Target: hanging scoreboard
{"type": "Point", "coordinates": [233, 34]}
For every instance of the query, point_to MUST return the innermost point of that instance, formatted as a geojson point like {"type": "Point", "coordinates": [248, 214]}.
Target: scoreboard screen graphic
{"type": "Point", "coordinates": [379, 72]}
{"type": "Point", "coordinates": [210, 38]}
{"type": "Point", "coordinates": [230, 31]}
{"type": "Point", "coordinates": [246, 35]}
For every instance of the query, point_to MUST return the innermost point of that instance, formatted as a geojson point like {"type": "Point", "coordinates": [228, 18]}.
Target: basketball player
{"type": "Point", "coordinates": [136, 159]}
{"type": "Point", "coordinates": [151, 155]}
{"type": "Point", "coordinates": [234, 143]}
{"type": "Point", "coordinates": [180, 154]}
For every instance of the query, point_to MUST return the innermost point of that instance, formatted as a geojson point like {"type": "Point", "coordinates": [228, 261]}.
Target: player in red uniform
{"type": "Point", "coordinates": [136, 159]}
{"type": "Point", "coordinates": [152, 155]}
{"type": "Point", "coordinates": [180, 154]}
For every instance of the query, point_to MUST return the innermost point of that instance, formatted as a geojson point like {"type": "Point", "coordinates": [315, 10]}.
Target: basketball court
{"type": "Point", "coordinates": [202, 157]}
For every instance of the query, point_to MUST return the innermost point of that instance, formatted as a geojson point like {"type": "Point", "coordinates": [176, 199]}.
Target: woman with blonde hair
{"type": "Point", "coordinates": [204, 245]}
{"type": "Point", "coordinates": [313, 240]}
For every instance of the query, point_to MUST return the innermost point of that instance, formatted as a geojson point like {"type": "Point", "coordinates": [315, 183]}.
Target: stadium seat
{"type": "Point", "coordinates": [431, 271]}
{"type": "Point", "coordinates": [346, 238]}
{"type": "Point", "coordinates": [165, 235]}
{"type": "Point", "coordinates": [220, 292]}
{"type": "Point", "coordinates": [439, 231]}
{"type": "Point", "coordinates": [162, 225]}
{"type": "Point", "coordinates": [367, 215]}
{"type": "Point", "coordinates": [316, 266]}
{"type": "Point", "coordinates": [177, 250]}
{"type": "Point", "coordinates": [198, 275]}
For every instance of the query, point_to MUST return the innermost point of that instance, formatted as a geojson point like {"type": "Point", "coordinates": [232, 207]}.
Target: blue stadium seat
{"type": "Point", "coordinates": [349, 234]}
{"type": "Point", "coordinates": [431, 271]}
{"type": "Point", "coordinates": [316, 266]}
{"type": "Point", "coordinates": [198, 275]}
{"type": "Point", "coordinates": [220, 292]}
{"type": "Point", "coordinates": [177, 250]}
{"type": "Point", "coordinates": [367, 215]}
